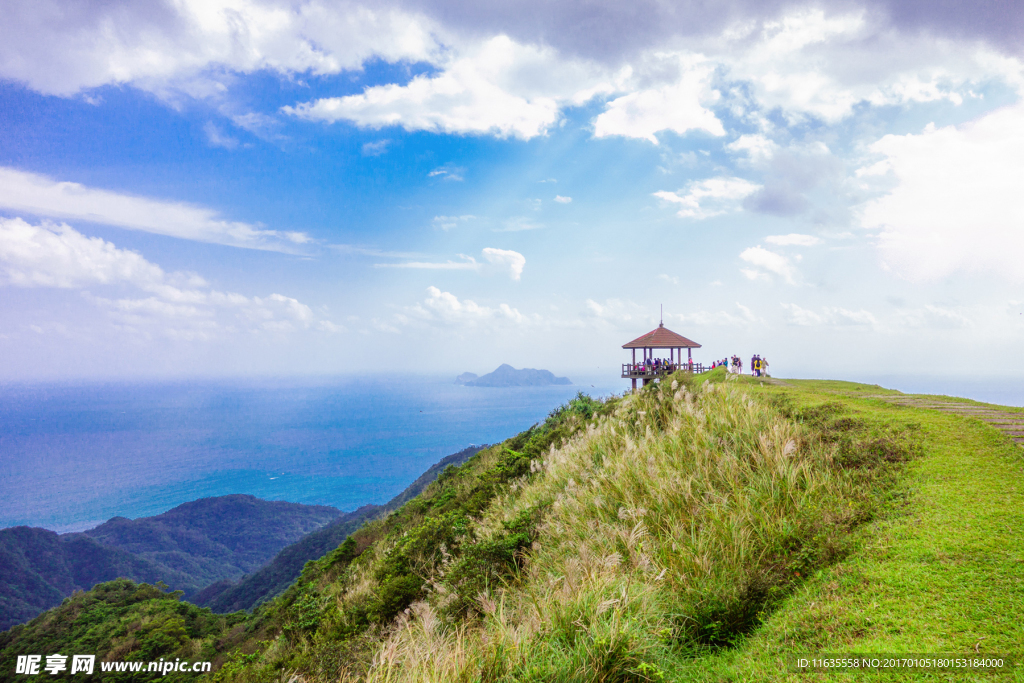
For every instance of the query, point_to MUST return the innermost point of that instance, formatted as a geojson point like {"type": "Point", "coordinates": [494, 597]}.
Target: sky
{"type": "Point", "coordinates": [224, 188]}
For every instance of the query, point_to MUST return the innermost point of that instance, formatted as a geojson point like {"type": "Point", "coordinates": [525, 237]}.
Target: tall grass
{"type": "Point", "coordinates": [669, 526]}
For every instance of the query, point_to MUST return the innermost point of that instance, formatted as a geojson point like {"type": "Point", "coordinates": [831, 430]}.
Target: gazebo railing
{"type": "Point", "coordinates": [638, 370]}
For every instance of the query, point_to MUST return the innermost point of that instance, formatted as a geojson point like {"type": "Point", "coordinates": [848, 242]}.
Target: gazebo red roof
{"type": "Point", "coordinates": [661, 338]}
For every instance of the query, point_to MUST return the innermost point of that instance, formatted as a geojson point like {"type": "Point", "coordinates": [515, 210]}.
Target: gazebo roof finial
{"type": "Point", "coordinates": [661, 320]}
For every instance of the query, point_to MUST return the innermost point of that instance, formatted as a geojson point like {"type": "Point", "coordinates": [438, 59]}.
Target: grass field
{"type": "Point", "coordinates": [941, 570]}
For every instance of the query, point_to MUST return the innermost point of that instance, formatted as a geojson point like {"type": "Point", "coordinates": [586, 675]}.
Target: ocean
{"type": "Point", "coordinates": [72, 456]}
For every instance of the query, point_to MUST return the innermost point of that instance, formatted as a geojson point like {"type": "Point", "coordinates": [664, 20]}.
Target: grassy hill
{"type": "Point", "coordinates": [275, 576]}
{"type": "Point", "coordinates": [705, 529]}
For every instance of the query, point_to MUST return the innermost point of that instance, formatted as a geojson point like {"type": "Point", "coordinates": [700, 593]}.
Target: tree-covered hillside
{"type": "Point", "coordinates": [188, 548]}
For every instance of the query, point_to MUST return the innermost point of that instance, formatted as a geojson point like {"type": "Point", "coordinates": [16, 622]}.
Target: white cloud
{"type": "Point", "coordinates": [941, 317]}
{"type": "Point", "coordinates": [446, 307]}
{"type": "Point", "coordinates": [328, 326]}
{"type": "Point", "coordinates": [717, 318]}
{"type": "Point", "coordinates": [806, 62]}
{"type": "Point", "coordinates": [767, 262]}
{"type": "Point", "coordinates": [957, 203]}
{"type": "Point", "coordinates": [793, 240]}
{"type": "Point", "coordinates": [467, 263]}
{"type": "Point", "coordinates": [810, 62]}
{"type": "Point", "coordinates": [505, 259]}
{"type": "Point", "coordinates": [677, 105]}
{"type": "Point", "coordinates": [498, 260]}
{"type": "Point", "coordinates": [372, 251]}
{"type": "Point", "coordinates": [563, 200]}
{"type": "Point", "coordinates": [711, 197]}
{"type": "Point", "coordinates": [615, 312]}
{"type": "Point", "coordinates": [802, 316]}
{"type": "Point", "coordinates": [218, 138]}
{"type": "Point", "coordinates": [519, 224]}
{"type": "Point", "coordinates": [261, 125]}
{"type": "Point", "coordinates": [842, 316]}
{"type": "Point", "coordinates": [670, 279]}
{"type": "Point", "coordinates": [756, 147]}
{"type": "Point", "coordinates": [375, 149]}
{"type": "Point", "coordinates": [497, 87]}
{"type": "Point", "coordinates": [184, 46]}
{"type": "Point", "coordinates": [176, 304]}
{"type": "Point", "coordinates": [60, 256]}
{"type": "Point", "coordinates": [829, 316]}
{"type": "Point", "coordinates": [42, 196]}
{"type": "Point", "coordinates": [622, 313]}
{"type": "Point", "coordinates": [448, 173]}
{"type": "Point", "coordinates": [446, 223]}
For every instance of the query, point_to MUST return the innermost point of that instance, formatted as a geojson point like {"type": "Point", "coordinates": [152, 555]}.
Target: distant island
{"type": "Point", "coordinates": [508, 376]}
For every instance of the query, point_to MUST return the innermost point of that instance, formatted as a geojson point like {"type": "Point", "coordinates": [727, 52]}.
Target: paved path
{"type": "Point", "coordinates": [1006, 420]}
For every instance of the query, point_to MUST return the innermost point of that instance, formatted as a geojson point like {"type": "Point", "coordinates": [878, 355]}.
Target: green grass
{"type": "Point", "coordinates": [940, 571]}
{"type": "Point", "coordinates": [673, 528]}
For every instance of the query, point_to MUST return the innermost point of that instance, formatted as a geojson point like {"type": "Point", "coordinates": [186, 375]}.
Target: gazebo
{"type": "Point", "coordinates": [660, 338]}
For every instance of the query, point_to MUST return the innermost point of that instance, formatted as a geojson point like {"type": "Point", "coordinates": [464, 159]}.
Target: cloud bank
{"type": "Point", "coordinates": [42, 196]}
{"type": "Point", "coordinates": [957, 205]}
{"type": "Point", "coordinates": [173, 304]}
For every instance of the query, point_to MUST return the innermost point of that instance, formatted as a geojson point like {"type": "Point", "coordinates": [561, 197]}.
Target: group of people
{"type": "Point", "coordinates": [657, 366]}
{"type": "Point", "coordinates": [734, 365]}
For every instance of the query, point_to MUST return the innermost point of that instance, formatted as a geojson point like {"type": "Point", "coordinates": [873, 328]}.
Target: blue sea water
{"type": "Point", "coordinates": [72, 456]}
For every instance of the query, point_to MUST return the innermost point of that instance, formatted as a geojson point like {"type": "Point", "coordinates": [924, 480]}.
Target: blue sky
{"type": "Point", "coordinates": [274, 188]}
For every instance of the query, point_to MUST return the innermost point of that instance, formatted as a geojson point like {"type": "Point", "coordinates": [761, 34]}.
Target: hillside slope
{"type": "Point", "coordinates": [704, 529]}
{"type": "Point", "coordinates": [274, 577]}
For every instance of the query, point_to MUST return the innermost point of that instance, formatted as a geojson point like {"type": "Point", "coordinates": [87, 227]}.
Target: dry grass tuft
{"type": "Point", "coordinates": [673, 524]}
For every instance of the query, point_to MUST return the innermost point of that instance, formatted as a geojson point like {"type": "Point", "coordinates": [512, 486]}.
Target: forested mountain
{"type": "Point", "coordinates": [212, 539]}
{"type": "Point", "coordinates": [188, 548]}
{"type": "Point", "coordinates": [38, 569]}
